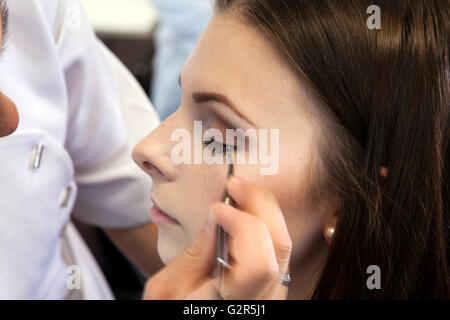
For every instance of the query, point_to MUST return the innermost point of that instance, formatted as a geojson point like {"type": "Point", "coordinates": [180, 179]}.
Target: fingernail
{"type": "Point", "coordinates": [238, 180]}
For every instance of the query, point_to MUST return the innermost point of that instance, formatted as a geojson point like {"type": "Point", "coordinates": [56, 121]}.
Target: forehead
{"type": "Point", "coordinates": [231, 46]}
{"type": "Point", "coordinates": [237, 59]}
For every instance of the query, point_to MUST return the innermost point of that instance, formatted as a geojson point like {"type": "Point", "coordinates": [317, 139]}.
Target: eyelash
{"type": "Point", "coordinates": [225, 147]}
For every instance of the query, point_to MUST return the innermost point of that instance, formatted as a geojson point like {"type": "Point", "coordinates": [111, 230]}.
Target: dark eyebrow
{"type": "Point", "coordinates": [202, 97]}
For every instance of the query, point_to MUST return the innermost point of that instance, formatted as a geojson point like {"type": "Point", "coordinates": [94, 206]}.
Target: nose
{"type": "Point", "coordinates": [9, 116]}
{"type": "Point", "coordinates": [153, 153]}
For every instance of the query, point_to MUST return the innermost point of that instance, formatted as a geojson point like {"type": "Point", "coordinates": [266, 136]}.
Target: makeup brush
{"type": "Point", "coordinates": [222, 248]}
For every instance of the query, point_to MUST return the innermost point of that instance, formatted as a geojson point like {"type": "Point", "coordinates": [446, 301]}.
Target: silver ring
{"type": "Point", "coordinates": [286, 279]}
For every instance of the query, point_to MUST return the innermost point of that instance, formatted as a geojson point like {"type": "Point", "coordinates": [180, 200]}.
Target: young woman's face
{"type": "Point", "coordinates": [234, 60]}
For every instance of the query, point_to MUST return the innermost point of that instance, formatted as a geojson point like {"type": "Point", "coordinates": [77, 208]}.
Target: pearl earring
{"type": "Point", "coordinates": [330, 232]}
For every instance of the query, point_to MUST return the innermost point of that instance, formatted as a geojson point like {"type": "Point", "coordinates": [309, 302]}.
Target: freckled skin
{"type": "Point", "coordinates": [236, 60]}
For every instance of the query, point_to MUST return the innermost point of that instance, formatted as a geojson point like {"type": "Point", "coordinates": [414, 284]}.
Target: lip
{"type": "Point", "coordinates": [160, 217]}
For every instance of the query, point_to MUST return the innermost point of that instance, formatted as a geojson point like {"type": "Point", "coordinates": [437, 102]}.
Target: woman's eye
{"type": "Point", "coordinates": [218, 146]}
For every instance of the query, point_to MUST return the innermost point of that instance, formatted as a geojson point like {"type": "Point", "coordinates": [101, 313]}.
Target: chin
{"type": "Point", "coordinates": [168, 250]}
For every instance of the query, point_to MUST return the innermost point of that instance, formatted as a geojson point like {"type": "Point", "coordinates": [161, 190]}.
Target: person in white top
{"type": "Point", "coordinates": [81, 112]}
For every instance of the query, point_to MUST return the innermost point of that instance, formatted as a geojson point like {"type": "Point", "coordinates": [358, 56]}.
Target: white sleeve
{"type": "Point", "coordinates": [108, 114]}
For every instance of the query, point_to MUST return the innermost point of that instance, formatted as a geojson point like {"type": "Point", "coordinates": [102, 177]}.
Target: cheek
{"type": "Point", "coordinates": [305, 226]}
{"type": "Point", "coordinates": [202, 185]}
{"type": "Point", "coordinates": [191, 199]}
{"type": "Point", "coordinates": [290, 187]}
{"type": "Point", "coordinates": [304, 221]}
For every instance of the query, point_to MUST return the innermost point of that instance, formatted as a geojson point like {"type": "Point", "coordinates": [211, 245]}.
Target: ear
{"type": "Point", "coordinates": [330, 223]}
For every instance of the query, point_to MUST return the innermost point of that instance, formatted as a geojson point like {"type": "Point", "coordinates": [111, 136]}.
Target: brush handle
{"type": "Point", "coordinates": [222, 249]}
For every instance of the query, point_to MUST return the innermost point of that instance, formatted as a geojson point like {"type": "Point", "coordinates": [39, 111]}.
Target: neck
{"type": "Point", "coordinates": [305, 275]}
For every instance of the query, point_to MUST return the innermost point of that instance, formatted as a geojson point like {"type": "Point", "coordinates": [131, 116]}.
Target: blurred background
{"type": "Point", "coordinates": [153, 38]}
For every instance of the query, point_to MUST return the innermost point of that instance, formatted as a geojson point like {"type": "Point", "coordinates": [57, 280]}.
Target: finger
{"type": "Point", "coordinates": [187, 271]}
{"type": "Point", "coordinates": [261, 203]}
{"type": "Point", "coordinates": [253, 261]}
{"type": "Point", "coordinates": [207, 291]}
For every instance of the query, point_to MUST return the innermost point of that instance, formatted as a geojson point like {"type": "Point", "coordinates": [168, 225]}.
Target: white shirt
{"type": "Point", "coordinates": [84, 111]}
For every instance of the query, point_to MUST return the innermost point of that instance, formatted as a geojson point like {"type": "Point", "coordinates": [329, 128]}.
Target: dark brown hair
{"type": "Point", "coordinates": [386, 93]}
